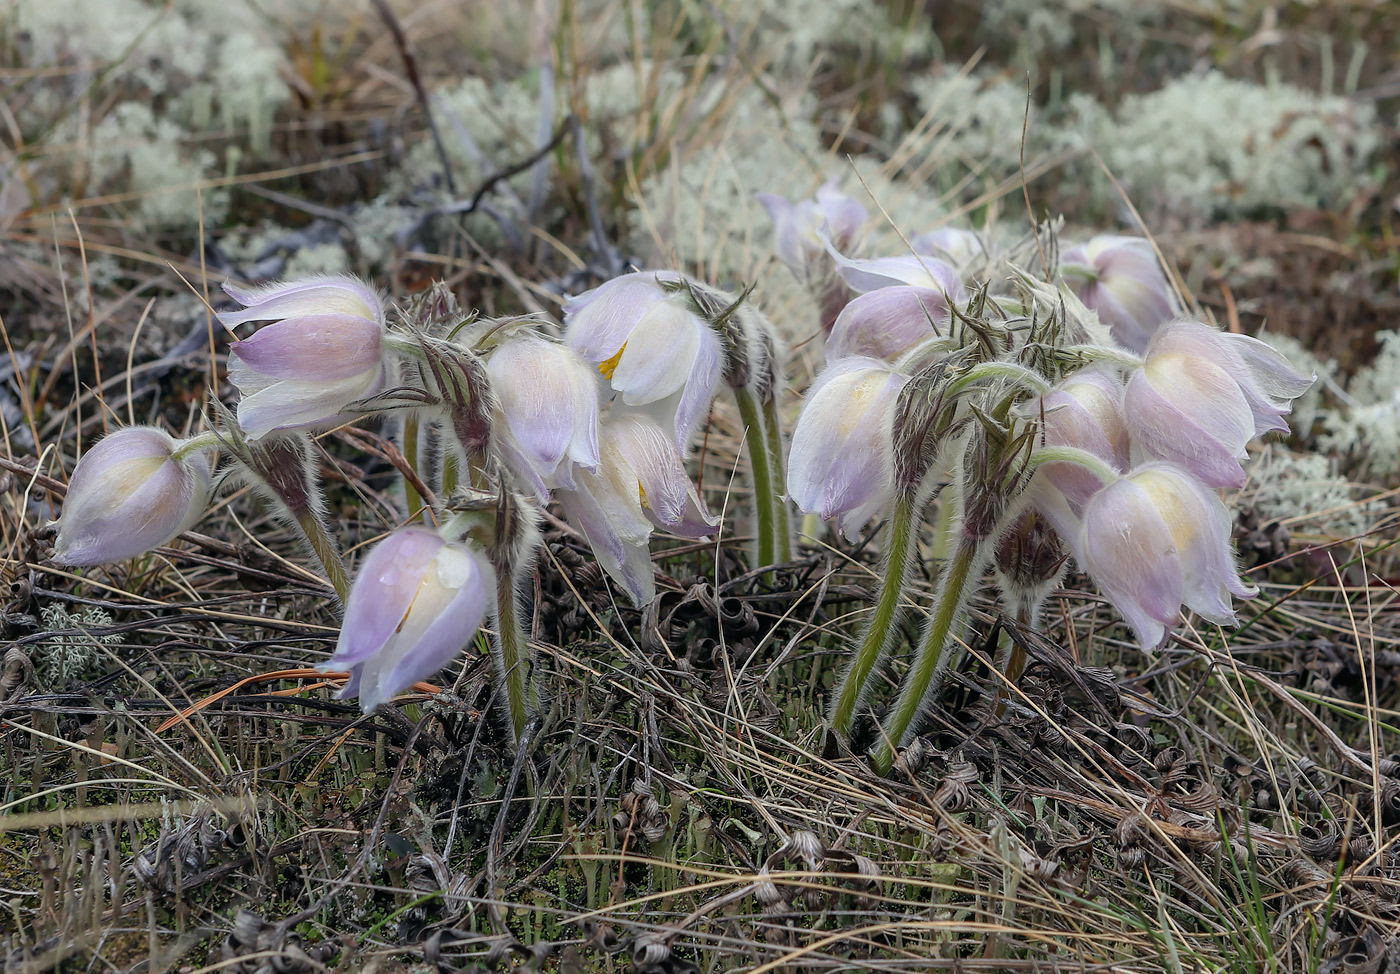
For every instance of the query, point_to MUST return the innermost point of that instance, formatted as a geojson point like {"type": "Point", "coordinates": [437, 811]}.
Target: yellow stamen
{"type": "Point", "coordinates": [610, 366]}
{"type": "Point", "coordinates": [642, 496]}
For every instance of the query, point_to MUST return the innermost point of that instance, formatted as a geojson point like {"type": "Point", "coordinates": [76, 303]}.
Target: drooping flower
{"type": "Point", "coordinates": [841, 462]}
{"type": "Point", "coordinates": [324, 352]}
{"type": "Point", "coordinates": [887, 322]}
{"type": "Point", "coordinates": [796, 225]}
{"type": "Point", "coordinates": [414, 606]}
{"type": "Point", "coordinates": [1121, 279]}
{"type": "Point", "coordinates": [1266, 378]}
{"type": "Point", "coordinates": [130, 493]}
{"type": "Point", "coordinates": [651, 347]}
{"type": "Point", "coordinates": [1084, 411]}
{"type": "Point", "coordinates": [640, 484]}
{"type": "Point", "coordinates": [1201, 395]}
{"type": "Point", "coordinates": [1155, 540]}
{"type": "Point", "coordinates": [548, 400]}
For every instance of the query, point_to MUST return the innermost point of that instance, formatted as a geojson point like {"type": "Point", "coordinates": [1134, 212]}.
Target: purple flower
{"type": "Point", "coordinates": [1084, 411]}
{"type": "Point", "coordinates": [1120, 278]}
{"type": "Point", "coordinates": [323, 353]}
{"type": "Point", "coordinates": [887, 322]}
{"type": "Point", "coordinates": [796, 228]}
{"type": "Point", "coordinates": [650, 345]}
{"type": "Point", "coordinates": [129, 494]}
{"type": "Point", "coordinates": [841, 463]}
{"type": "Point", "coordinates": [1267, 380]}
{"type": "Point", "coordinates": [918, 270]}
{"type": "Point", "coordinates": [548, 398]}
{"type": "Point", "coordinates": [640, 484]}
{"type": "Point", "coordinates": [415, 605]}
{"type": "Point", "coordinates": [1201, 395]}
{"type": "Point", "coordinates": [1158, 539]}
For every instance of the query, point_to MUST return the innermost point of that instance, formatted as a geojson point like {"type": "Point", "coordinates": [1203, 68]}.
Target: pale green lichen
{"type": "Point", "coordinates": [1366, 430]}
{"type": "Point", "coordinates": [63, 658]}
{"type": "Point", "coordinates": [168, 71]}
{"type": "Point", "coordinates": [1306, 493]}
{"type": "Point", "coordinates": [134, 152]}
{"type": "Point", "coordinates": [976, 124]}
{"type": "Point", "coordinates": [1216, 146]}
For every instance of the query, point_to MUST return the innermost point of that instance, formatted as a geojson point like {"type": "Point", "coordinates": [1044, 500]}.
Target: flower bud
{"type": "Point", "coordinates": [1156, 539]}
{"type": "Point", "coordinates": [547, 398]}
{"type": "Point", "coordinates": [323, 353]}
{"type": "Point", "coordinates": [415, 605]}
{"type": "Point", "coordinates": [796, 226]}
{"type": "Point", "coordinates": [841, 461]}
{"type": "Point", "coordinates": [130, 494]}
{"type": "Point", "coordinates": [1201, 395]}
{"type": "Point", "coordinates": [1120, 278]}
{"type": "Point", "coordinates": [647, 341]}
{"type": "Point", "coordinates": [887, 322]}
{"type": "Point", "coordinates": [1030, 559]}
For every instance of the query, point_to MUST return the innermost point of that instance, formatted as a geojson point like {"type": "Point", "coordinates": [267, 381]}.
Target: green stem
{"type": "Point", "coordinates": [1028, 378]}
{"type": "Point", "coordinates": [324, 548]}
{"type": "Point", "coordinates": [410, 454]}
{"type": "Point", "coordinates": [952, 595]}
{"type": "Point", "coordinates": [515, 669]}
{"type": "Point", "coordinates": [757, 449]}
{"type": "Point", "coordinates": [945, 528]}
{"type": "Point", "coordinates": [882, 631]}
{"type": "Point", "coordinates": [451, 472]}
{"type": "Point", "coordinates": [773, 428]}
{"type": "Point", "coordinates": [200, 441]}
{"type": "Point", "coordinates": [1096, 465]}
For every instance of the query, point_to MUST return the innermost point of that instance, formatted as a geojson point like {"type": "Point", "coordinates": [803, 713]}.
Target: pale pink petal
{"type": "Point", "coordinates": [887, 322]}
{"type": "Point", "coordinates": [314, 348]}
{"type": "Point", "coordinates": [313, 296]}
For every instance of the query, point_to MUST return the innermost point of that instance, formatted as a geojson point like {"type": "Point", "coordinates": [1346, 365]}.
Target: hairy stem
{"type": "Point", "coordinates": [514, 667]}
{"type": "Point", "coordinates": [881, 633]}
{"type": "Point", "coordinates": [324, 548]}
{"type": "Point", "coordinates": [413, 499]}
{"type": "Point", "coordinates": [763, 499]}
{"type": "Point", "coordinates": [773, 429]}
{"type": "Point", "coordinates": [952, 596]}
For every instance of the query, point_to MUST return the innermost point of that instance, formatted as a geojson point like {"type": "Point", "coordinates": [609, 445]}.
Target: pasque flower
{"type": "Point", "coordinates": [651, 346]}
{"type": "Point", "coordinates": [887, 322]}
{"type": "Point", "coordinates": [919, 270]}
{"type": "Point", "coordinates": [324, 352]}
{"type": "Point", "coordinates": [796, 225]}
{"type": "Point", "coordinates": [1084, 411]}
{"type": "Point", "coordinates": [841, 462]}
{"type": "Point", "coordinates": [1121, 279]}
{"type": "Point", "coordinates": [548, 400]}
{"type": "Point", "coordinates": [415, 605]}
{"type": "Point", "coordinates": [130, 493]}
{"type": "Point", "coordinates": [1201, 395]}
{"type": "Point", "coordinates": [1157, 539]}
{"type": "Point", "coordinates": [640, 484]}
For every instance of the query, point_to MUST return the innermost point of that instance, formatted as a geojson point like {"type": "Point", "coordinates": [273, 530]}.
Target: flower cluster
{"type": "Point", "coordinates": [1085, 414]}
{"type": "Point", "coordinates": [1075, 413]}
{"type": "Point", "coordinates": [499, 417]}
